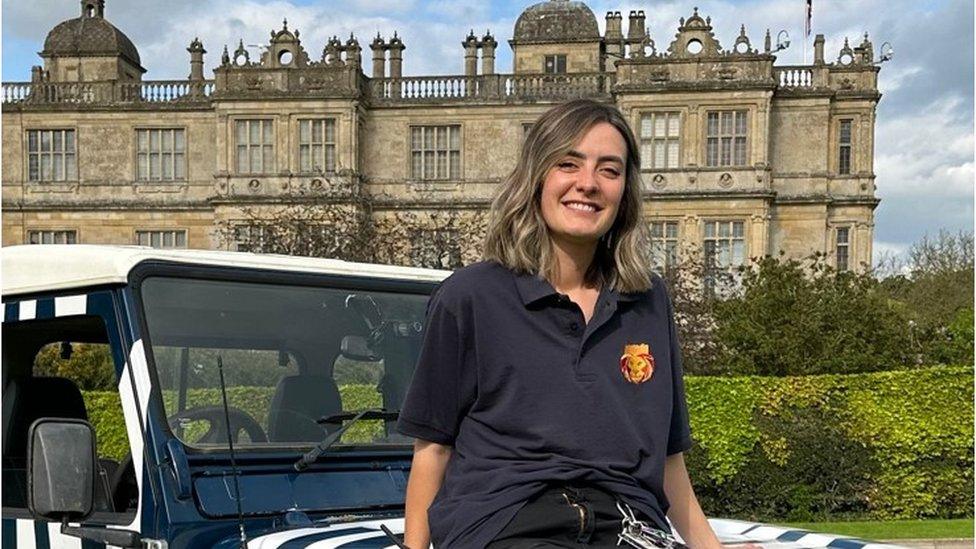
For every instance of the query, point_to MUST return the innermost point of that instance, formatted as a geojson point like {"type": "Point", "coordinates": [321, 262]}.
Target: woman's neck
{"type": "Point", "coordinates": [574, 261]}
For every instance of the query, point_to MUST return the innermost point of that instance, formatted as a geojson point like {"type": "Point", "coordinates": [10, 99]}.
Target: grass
{"type": "Point", "coordinates": [899, 529]}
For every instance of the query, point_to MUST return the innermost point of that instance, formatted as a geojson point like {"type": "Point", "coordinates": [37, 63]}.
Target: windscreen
{"type": "Point", "coordinates": [293, 358]}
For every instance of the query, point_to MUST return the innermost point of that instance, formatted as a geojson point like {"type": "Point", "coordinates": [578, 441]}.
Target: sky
{"type": "Point", "coordinates": [923, 138]}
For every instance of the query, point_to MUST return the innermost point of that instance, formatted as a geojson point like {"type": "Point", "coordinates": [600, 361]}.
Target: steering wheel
{"type": "Point", "coordinates": [217, 423]}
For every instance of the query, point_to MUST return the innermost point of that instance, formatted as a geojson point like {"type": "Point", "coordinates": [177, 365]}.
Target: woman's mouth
{"type": "Point", "coordinates": [582, 207]}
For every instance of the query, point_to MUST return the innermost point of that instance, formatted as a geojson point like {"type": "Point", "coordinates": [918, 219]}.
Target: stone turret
{"type": "Point", "coordinates": [614, 35]}
{"type": "Point", "coordinates": [196, 59]}
{"type": "Point", "coordinates": [635, 28]}
{"type": "Point", "coordinates": [396, 56]}
{"type": "Point", "coordinates": [864, 53]}
{"type": "Point", "coordinates": [93, 8]}
{"type": "Point", "coordinates": [818, 50]}
{"type": "Point", "coordinates": [378, 45]}
{"type": "Point", "coordinates": [89, 48]}
{"type": "Point", "coordinates": [353, 52]}
{"type": "Point", "coordinates": [470, 54]}
{"type": "Point", "coordinates": [488, 45]}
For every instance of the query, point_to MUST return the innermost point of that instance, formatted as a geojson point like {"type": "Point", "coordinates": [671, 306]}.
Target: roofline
{"type": "Point", "coordinates": [30, 269]}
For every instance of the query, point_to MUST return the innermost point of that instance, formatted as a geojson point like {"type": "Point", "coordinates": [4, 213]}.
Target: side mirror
{"type": "Point", "coordinates": [61, 469]}
{"type": "Point", "coordinates": [355, 348]}
{"type": "Point", "coordinates": [61, 463]}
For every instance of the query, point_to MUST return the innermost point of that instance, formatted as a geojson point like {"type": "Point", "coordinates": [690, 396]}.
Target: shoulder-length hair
{"type": "Point", "coordinates": [517, 235]}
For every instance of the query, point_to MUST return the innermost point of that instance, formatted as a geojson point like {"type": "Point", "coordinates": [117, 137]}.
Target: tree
{"type": "Point", "coordinates": [797, 317]}
{"type": "Point", "coordinates": [331, 220]}
{"type": "Point", "coordinates": [341, 222]}
{"type": "Point", "coordinates": [694, 308]}
{"type": "Point", "coordinates": [937, 295]}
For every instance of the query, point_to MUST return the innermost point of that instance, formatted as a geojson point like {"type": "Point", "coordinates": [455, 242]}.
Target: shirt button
{"type": "Point", "coordinates": [574, 326]}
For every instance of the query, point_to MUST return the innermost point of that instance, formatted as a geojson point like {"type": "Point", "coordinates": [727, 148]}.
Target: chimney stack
{"type": "Point", "coordinates": [488, 45]}
{"type": "Point", "coordinates": [378, 45]}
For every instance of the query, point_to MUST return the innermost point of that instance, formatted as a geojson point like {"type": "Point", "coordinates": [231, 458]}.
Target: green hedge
{"type": "Point", "coordinates": [889, 445]}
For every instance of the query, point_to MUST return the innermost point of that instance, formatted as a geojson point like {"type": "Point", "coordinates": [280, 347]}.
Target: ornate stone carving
{"type": "Point", "coordinates": [692, 34]}
{"type": "Point", "coordinates": [846, 55]}
{"type": "Point", "coordinates": [742, 45]}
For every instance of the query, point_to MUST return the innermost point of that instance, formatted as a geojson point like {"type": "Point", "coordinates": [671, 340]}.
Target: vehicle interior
{"type": "Point", "coordinates": [43, 376]}
{"type": "Point", "coordinates": [290, 356]}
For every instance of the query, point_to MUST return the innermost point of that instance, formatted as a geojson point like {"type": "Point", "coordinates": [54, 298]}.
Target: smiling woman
{"type": "Point", "coordinates": [532, 430]}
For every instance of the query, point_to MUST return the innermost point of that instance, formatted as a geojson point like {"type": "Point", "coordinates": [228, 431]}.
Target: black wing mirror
{"type": "Point", "coordinates": [61, 476]}
{"type": "Point", "coordinates": [61, 469]}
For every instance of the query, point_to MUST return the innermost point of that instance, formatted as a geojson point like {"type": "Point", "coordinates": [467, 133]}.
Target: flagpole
{"type": "Point", "coordinates": [805, 33]}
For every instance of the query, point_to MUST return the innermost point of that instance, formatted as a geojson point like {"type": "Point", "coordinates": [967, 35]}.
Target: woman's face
{"type": "Point", "coordinates": [581, 193]}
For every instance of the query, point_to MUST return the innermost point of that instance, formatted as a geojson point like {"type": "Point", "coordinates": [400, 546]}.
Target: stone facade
{"type": "Point", "coordinates": [761, 157]}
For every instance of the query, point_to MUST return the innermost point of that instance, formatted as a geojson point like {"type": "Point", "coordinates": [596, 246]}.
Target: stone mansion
{"type": "Point", "coordinates": [741, 157]}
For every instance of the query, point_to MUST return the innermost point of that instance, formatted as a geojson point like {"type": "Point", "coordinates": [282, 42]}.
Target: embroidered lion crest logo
{"type": "Point", "coordinates": [637, 364]}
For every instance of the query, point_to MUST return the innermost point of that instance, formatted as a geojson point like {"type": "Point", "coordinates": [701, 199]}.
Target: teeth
{"type": "Point", "coordinates": [582, 207]}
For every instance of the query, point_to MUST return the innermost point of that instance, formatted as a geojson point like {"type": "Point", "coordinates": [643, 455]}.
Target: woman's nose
{"type": "Point", "coordinates": [586, 180]}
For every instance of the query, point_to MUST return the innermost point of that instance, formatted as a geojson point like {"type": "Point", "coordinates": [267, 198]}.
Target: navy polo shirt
{"type": "Point", "coordinates": [527, 392]}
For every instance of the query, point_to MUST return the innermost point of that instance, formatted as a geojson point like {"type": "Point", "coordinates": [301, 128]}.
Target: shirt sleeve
{"type": "Point", "coordinates": [679, 435]}
{"type": "Point", "coordinates": [443, 385]}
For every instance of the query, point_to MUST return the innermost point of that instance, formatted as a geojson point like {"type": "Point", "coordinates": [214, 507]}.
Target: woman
{"type": "Point", "coordinates": [549, 386]}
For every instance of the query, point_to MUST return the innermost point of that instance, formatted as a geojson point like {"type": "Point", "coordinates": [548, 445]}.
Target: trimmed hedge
{"type": "Point", "coordinates": [888, 445]}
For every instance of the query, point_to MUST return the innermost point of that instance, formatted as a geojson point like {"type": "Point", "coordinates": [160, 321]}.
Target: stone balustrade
{"type": "Point", "coordinates": [389, 91]}
{"type": "Point", "coordinates": [795, 77]}
{"type": "Point", "coordinates": [105, 93]}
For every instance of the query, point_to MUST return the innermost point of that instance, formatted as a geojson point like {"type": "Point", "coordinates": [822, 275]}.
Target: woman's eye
{"type": "Point", "coordinates": [567, 165]}
{"type": "Point", "coordinates": [614, 173]}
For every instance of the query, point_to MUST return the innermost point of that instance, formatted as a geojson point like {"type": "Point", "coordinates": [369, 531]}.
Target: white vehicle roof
{"type": "Point", "coordinates": [37, 268]}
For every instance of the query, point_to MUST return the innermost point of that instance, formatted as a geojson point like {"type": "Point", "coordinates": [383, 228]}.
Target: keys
{"type": "Point", "coordinates": [637, 533]}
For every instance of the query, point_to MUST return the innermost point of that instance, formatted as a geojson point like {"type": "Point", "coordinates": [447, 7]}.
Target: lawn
{"type": "Point", "coordinates": [900, 529]}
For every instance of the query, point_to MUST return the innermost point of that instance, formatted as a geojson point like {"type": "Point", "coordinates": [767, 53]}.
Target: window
{"type": "Point", "coordinates": [435, 152]}
{"type": "Point", "coordinates": [660, 134]}
{"type": "Point", "coordinates": [664, 244]}
{"type": "Point", "coordinates": [250, 238]}
{"type": "Point", "coordinates": [290, 355]}
{"type": "Point", "coordinates": [162, 239]}
{"type": "Point", "coordinates": [51, 155]}
{"type": "Point", "coordinates": [843, 248]}
{"type": "Point", "coordinates": [435, 248]}
{"type": "Point", "coordinates": [255, 146]}
{"type": "Point", "coordinates": [317, 145]}
{"type": "Point", "coordinates": [844, 162]}
{"type": "Point", "coordinates": [724, 246]}
{"type": "Point", "coordinates": [160, 154]}
{"type": "Point", "coordinates": [63, 367]}
{"type": "Point", "coordinates": [555, 64]}
{"type": "Point", "coordinates": [726, 138]}
{"type": "Point", "coordinates": [52, 237]}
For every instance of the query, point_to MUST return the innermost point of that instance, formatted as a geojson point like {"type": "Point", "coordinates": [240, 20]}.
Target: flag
{"type": "Point", "coordinates": [806, 25]}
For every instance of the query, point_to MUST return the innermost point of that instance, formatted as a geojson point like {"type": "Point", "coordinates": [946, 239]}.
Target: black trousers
{"type": "Point", "coordinates": [570, 516]}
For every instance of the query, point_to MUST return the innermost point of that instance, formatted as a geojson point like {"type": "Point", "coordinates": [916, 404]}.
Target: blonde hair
{"type": "Point", "coordinates": [517, 235]}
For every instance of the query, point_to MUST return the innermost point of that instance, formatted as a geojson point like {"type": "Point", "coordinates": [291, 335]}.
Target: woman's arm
{"type": "Point", "coordinates": [685, 513]}
{"type": "Point", "coordinates": [426, 474]}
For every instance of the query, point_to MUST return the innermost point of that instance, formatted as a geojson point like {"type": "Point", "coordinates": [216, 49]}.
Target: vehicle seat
{"type": "Point", "coordinates": [26, 400]}
{"type": "Point", "coordinates": [299, 401]}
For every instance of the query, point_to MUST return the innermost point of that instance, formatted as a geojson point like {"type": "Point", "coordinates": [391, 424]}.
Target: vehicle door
{"type": "Point", "coordinates": [63, 356]}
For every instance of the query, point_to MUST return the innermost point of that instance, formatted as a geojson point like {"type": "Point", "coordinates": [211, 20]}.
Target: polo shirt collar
{"type": "Point", "coordinates": [532, 288]}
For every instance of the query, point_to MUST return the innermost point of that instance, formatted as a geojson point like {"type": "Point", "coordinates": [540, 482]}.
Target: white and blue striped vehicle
{"type": "Point", "coordinates": [237, 398]}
